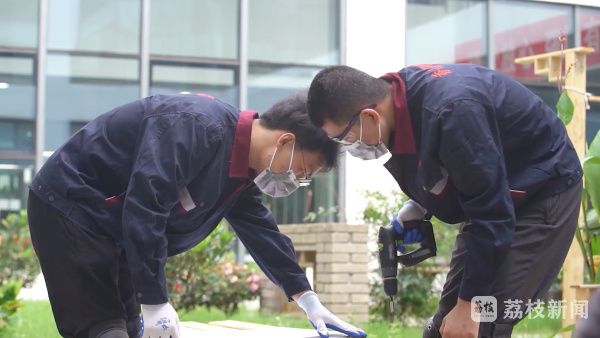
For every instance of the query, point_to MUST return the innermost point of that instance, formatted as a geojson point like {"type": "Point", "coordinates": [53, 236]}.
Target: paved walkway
{"type": "Point", "coordinates": [37, 291]}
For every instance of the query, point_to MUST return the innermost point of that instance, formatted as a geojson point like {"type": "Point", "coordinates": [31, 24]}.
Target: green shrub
{"type": "Point", "coordinates": [17, 257]}
{"type": "Point", "coordinates": [206, 276]}
{"type": "Point", "coordinates": [9, 306]}
{"type": "Point", "coordinates": [415, 298]}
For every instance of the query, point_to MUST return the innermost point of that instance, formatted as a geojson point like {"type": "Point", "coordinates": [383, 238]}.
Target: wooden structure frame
{"type": "Point", "coordinates": [575, 83]}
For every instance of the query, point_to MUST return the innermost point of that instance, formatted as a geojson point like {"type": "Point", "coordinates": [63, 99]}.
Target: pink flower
{"type": "Point", "coordinates": [234, 279]}
{"type": "Point", "coordinates": [177, 287]}
{"type": "Point", "coordinates": [253, 287]}
{"type": "Point", "coordinates": [244, 267]}
{"type": "Point", "coordinates": [255, 278]}
{"type": "Point", "coordinates": [228, 269]}
{"type": "Point", "coordinates": [249, 279]}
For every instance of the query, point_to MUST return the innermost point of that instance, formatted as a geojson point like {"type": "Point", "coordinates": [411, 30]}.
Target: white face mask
{"type": "Point", "coordinates": [277, 185]}
{"type": "Point", "coordinates": [364, 151]}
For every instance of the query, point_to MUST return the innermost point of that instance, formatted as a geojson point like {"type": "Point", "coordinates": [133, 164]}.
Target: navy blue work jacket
{"type": "Point", "coordinates": [157, 175]}
{"type": "Point", "coordinates": [471, 144]}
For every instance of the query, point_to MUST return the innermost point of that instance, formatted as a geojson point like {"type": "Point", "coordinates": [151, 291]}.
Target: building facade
{"type": "Point", "coordinates": [64, 62]}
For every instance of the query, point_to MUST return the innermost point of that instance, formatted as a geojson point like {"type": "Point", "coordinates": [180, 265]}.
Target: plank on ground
{"type": "Point", "coordinates": [272, 332]}
{"type": "Point", "coordinates": [202, 326]}
{"type": "Point", "coordinates": [234, 324]}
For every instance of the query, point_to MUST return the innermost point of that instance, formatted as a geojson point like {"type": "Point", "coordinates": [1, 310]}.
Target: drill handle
{"type": "Point", "coordinates": [427, 249]}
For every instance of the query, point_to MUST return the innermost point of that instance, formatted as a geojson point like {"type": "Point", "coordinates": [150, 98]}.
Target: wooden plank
{"type": "Point", "coordinates": [586, 286]}
{"type": "Point", "coordinates": [540, 66]}
{"type": "Point", "coordinates": [234, 324]}
{"type": "Point", "coordinates": [273, 332]}
{"type": "Point", "coordinates": [594, 98]}
{"type": "Point", "coordinates": [204, 327]}
{"type": "Point", "coordinates": [532, 58]}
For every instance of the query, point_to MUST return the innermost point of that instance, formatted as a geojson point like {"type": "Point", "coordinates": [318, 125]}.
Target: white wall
{"type": "Point", "coordinates": [375, 44]}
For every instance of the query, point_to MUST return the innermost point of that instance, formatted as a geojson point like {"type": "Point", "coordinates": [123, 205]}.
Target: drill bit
{"type": "Point", "coordinates": [391, 305]}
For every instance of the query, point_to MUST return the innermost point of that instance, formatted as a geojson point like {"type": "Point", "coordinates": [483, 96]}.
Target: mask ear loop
{"type": "Point", "coordinates": [378, 125]}
{"type": "Point", "coordinates": [360, 119]}
{"type": "Point", "coordinates": [272, 157]}
{"type": "Point", "coordinates": [292, 158]}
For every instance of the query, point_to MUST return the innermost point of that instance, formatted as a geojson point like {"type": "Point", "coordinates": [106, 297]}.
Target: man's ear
{"type": "Point", "coordinates": [370, 114]}
{"type": "Point", "coordinates": [285, 138]}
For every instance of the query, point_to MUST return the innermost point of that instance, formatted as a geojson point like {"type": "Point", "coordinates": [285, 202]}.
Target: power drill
{"type": "Point", "coordinates": [389, 257]}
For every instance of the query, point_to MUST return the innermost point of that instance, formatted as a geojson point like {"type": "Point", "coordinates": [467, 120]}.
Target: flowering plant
{"type": "Point", "coordinates": [17, 258]}
{"type": "Point", "coordinates": [205, 276]}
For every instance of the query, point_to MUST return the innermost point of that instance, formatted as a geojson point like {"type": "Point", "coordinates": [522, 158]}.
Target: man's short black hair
{"type": "Point", "coordinates": [290, 114]}
{"type": "Point", "coordinates": [337, 92]}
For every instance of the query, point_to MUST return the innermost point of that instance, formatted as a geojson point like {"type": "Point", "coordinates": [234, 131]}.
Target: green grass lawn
{"type": "Point", "coordinates": [35, 320]}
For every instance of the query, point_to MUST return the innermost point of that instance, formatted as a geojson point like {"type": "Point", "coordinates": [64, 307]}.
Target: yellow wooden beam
{"type": "Point", "coordinates": [573, 266]}
{"type": "Point", "coordinates": [532, 58]}
{"type": "Point", "coordinates": [594, 98]}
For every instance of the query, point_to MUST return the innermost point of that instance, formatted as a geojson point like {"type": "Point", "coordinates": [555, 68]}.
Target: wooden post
{"type": "Point", "coordinates": [573, 266]}
{"type": "Point", "coordinates": [575, 77]}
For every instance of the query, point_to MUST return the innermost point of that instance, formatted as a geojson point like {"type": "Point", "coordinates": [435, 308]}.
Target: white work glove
{"type": "Point", "coordinates": [159, 321]}
{"type": "Point", "coordinates": [321, 319]}
{"type": "Point", "coordinates": [410, 211]}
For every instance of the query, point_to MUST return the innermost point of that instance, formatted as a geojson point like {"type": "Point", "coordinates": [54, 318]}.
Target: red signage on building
{"type": "Point", "coordinates": [469, 52]}
{"type": "Point", "coordinates": [535, 38]}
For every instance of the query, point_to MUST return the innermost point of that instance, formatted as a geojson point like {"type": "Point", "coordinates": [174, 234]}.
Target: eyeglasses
{"type": "Point", "coordinates": [306, 180]}
{"type": "Point", "coordinates": [346, 137]}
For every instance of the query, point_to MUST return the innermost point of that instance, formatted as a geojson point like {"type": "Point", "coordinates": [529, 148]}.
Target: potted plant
{"type": "Point", "coordinates": [588, 235]}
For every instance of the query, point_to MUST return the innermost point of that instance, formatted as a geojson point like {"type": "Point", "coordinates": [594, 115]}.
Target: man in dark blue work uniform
{"type": "Point", "coordinates": [468, 145]}
{"type": "Point", "coordinates": [152, 179]}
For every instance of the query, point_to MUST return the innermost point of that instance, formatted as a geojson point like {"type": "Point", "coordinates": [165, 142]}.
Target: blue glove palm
{"type": "Point", "coordinates": [321, 319]}
{"type": "Point", "coordinates": [410, 237]}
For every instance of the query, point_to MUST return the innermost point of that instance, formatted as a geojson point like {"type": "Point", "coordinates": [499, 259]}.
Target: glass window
{"type": "Point", "coordinates": [17, 108]}
{"type": "Point", "coordinates": [170, 78]}
{"type": "Point", "coordinates": [316, 203]}
{"type": "Point", "coordinates": [589, 31]}
{"type": "Point", "coordinates": [207, 29]}
{"type": "Point", "coordinates": [523, 28]}
{"type": "Point", "coordinates": [18, 23]}
{"type": "Point", "coordinates": [15, 176]}
{"type": "Point", "coordinates": [79, 88]}
{"type": "Point", "coordinates": [106, 26]}
{"type": "Point", "coordinates": [266, 85]}
{"type": "Point", "coordinates": [16, 135]}
{"type": "Point", "coordinates": [446, 31]}
{"type": "Point", "coordinates": [294, 31]}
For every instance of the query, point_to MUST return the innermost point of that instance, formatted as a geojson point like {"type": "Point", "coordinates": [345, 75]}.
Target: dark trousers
{"type": "Point", "coordinates": [543, 235]}
{"type": "Point", "coordinates": [87, 275]}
